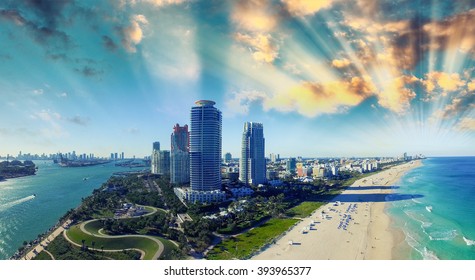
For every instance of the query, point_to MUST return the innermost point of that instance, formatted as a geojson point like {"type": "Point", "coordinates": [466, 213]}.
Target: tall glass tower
{"type": "Point", "coordinates": [205, 148]}
{"type": "Point", "coordinates": [180, 157]}
{"type": "Point", "coordinates": [252, 164]}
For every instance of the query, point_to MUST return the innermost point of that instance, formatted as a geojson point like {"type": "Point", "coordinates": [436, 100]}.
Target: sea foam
{"type": "Point", "coordinates": [468, 241]}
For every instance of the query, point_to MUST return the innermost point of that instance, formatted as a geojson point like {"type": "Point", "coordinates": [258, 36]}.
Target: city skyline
{"type": "Point", "coordinates": [326, 79]}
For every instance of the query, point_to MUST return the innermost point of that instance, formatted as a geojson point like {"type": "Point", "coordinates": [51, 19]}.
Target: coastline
{"type": "Point", "coordinates": [353, 226]}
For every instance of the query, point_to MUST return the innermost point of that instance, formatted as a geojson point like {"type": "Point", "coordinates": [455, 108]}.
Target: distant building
{"type": "Point", "coordinates": [252, 164]}
{"type": "Point", "coordinates": [228, 158]}
{"type": "Point", "coordinates": [164, 163]}
{"type": "Point", "coordinates": [155, 157]}
{"type": "Point", "coordinates": [180, 155]}
{"type": "Point", "coordinates": [291, 165]}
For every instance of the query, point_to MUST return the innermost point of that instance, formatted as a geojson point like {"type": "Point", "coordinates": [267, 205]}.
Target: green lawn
{"type": "Point", "coordinates": [304, 209]}
{"type": "Point", "coordinates": [63, 250]}
{"type": "Point", "coordinates": [147, 245]}
{"type": "Point", "coordinates": [42, 256]}
{"type": "Point", "coordinates": [242, 246]}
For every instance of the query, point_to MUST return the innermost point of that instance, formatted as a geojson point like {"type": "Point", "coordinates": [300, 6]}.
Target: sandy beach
{"type": "Point", "coordinates": [353, 226]}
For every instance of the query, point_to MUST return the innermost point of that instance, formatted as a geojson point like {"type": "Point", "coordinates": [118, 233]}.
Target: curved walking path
{"type": "Point", "coordinates": [142, 253]}
{"type": "Point", "coordinates": [51, 255]}
{"type": "Point", "coordinates": [158, 253]}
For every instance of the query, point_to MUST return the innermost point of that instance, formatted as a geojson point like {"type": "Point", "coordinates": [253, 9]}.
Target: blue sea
{"type": "Point", "coordinates": [58, 189]}
{"type": "Point", "coordinates": [440, 222]}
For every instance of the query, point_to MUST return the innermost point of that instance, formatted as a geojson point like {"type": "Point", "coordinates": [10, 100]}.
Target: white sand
{"type": "Point", "coordinates": [356, 229]}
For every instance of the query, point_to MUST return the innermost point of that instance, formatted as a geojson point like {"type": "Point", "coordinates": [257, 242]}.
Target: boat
{"type": "Point", "coordinates": [429, 208]}
{"type": "Point", "coordinates": [85, 179]}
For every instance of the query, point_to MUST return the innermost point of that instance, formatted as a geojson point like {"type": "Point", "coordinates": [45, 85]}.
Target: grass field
{"type": "Point", "coordinates": [148, 246]}
{"type": "Point", "coordinates": [242, 246]}
{"type": "Point", "coordinates": [304, 209]}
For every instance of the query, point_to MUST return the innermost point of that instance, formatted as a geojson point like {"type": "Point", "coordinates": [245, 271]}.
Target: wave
{"type": "Point", "coordinates": [468, 241]}
{"type": "Point", "coordinates": [15, 202]}
{"type": "Point", "coordinates": [443, 235]}
{"type": "Point", "coordinates": [416, 201]}
{"type": "Point", "coordinates": [419, 217]}
{"type": "Point", "coordinates": [428, 254]}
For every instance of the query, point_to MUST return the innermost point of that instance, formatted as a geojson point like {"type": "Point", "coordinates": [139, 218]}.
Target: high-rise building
{"type": "Point", "coordinates": [228, 157]}
{"type": "Point", "coordinates": [291, 165]}
{"type": "Point", "coordinates": [155, 157]}
{"type": "Point", "coordinates": [156, 146]}
{"type": "Point", "coordinates": [252, 164]}
{"type": "Point", "coordinates": [163, 162]}
{"type": "Point", "coordinates": [205, 153]}
{"type": "Point", "coordinates": [180, 155]}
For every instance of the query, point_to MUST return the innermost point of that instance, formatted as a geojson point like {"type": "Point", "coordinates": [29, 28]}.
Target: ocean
{"type": "Point", "coordinates": [58, 189]}
{"type": "Point", "coordinates": [441, 223]}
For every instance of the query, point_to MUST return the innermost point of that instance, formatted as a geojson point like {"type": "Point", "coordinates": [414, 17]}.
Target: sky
{"type": "Point", "coordinates": [327, 78]}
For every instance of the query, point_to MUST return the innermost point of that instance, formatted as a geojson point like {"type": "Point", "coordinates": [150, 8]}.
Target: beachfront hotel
{"type": "Point", "coordinates": [205, 155]}
{"type": "Point", "coordinates": [252, 164]}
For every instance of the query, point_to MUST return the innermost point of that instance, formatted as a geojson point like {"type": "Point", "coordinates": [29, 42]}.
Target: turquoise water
{"type": "Point", "coordinates": [441, 223]}
{"type": "Point", "coordinates": [57, 189]}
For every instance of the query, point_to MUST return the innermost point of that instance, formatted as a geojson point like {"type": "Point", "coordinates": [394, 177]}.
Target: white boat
{"type": "Point", "coordinates": [429, 208]}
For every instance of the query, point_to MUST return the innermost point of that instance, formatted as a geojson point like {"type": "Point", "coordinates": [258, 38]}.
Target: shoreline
{"type": "Point", "coordinates": [353, 226]}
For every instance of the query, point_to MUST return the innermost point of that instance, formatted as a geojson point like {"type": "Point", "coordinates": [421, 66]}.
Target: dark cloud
{"type": "Point", "coordinates": [44, 35]}
{"type": "Point", "coordinates": [49, 11]}
{"type": "Point", "coordinates": [109, 43]}
{"type": "Point", "coordinates": [459, 106]}
{"type": "Point", "coordinates": [89, 71]}
{"type": "Point", "coordinates": [79, 120]}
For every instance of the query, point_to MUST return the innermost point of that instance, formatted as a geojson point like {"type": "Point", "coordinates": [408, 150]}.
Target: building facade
{"type": "Point", "coordinates": [160, 160]}
{"type": "Point", "coordinates": [180, 155]}
{"type": "Point", "coordinates": [205, 152]}
{"type": "Point", "coordinates": [252, 164]}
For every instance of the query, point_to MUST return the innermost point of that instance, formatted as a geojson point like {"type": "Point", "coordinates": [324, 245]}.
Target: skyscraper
{"type": "Point", "coordinates": [252, 164]}
{"type": "Point", "coordinates": [160, 160]}
{"type": "Point", "coordinates": [155, 157]}
{"type": "Point", "coordinates": [164, 162]}
{"type": "Point", "coordinates": [180, 155]}
{"type": "Point", "coordinates": [205, 152]}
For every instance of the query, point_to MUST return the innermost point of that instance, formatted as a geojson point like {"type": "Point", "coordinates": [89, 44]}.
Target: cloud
{"type": "Point", "coordinates": [46, 115]}
{"type": "Point", "coordinates": [89, 71]}
{"type": "Point", "coordinates": [63, 95]}
{"type": "Point", "coordinates": [306, 7]}
{"type": "Point", "coordinates": [159, 3]}
{"type": "Point", "coordinates": [459, 106]}
{"type": "Point", "coordinates": [466, 124]}
{"type": "Point", "coordinates": [132, 130]}
{"type": "Point", "coordinates": [312, 98]}
{"type": "Point", "coordinates": [79, 120]}
{"type": "Point", "coordinates": [455, 33]}
{"type": "Point", "coordinates": [42, 34]}
{"type": "Point", "coordinates": [255, 15]}
{"type": "Point", "coordinates": [38, 91]}
{"type": "Point", "coordinates": [471, 85]}
{"type": "Point", "coordinates": [263, 47]}
{"type": "Point", "coordinates": [395, 95]}
{"type": "Point", "coordinates": [241, 101]}
{"type": "Point", "coordinates": [132, 35]}
{"type": "Point", "coordinates": [341, 63]}
{"type": "Point", "coordinates": [109, 43]}
{"type": "Point", "coordinates": [445, 81]}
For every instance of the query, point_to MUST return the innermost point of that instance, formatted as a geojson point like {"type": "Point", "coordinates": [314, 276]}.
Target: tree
{"type": "Point", "coordinates": [83, 241]}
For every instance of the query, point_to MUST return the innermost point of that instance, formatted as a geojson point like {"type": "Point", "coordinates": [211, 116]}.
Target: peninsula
{"type": "Point", "coordinates": [16, 168]}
